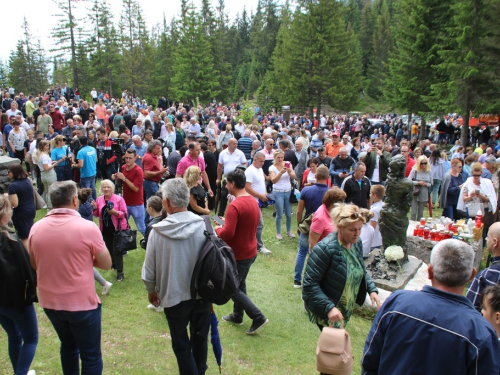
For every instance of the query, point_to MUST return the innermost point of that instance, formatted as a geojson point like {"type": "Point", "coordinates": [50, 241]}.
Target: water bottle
{"type": "Point", "coordinates": [479, 219]}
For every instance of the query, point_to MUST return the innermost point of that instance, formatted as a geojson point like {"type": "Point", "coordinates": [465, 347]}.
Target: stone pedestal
{"type": "Point", "coordinates": [389, 276]}
{"type": "Point", "coordinates": [5, 162]}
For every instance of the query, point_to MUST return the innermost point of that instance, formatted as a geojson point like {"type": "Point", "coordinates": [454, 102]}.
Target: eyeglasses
{"type": "Point", "coordinates": [353, 216]}
{"type": "Point", "coordinates": [272, 144]}
{"type": "Point", "coordinates": [476, 175]}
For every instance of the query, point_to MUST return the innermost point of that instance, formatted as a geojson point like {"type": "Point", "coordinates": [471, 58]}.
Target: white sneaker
{"type": "Point", "coordinates": [106, 287]}
{"type": "Point", "coordinates": [154, 308]}
{"type": "Point", "coordinates": [31, 372]}
{"type": "Point", "coordinates": [264, 251]}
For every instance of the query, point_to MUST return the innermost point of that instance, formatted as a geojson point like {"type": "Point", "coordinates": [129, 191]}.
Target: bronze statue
{"type": "Point", "coordinates": [394, 215]}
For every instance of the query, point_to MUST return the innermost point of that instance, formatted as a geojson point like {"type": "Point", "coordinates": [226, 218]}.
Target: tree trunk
{"type": "Point", "coordinates": [423, 129]}
{"type": "Point", "coordinates": [464, 132]}
{"type": "Point", "coordinates": [73, 47]}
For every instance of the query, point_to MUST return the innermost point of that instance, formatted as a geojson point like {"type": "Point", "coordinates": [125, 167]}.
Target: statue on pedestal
{"type": "Point", "coordinates": [394, 215]}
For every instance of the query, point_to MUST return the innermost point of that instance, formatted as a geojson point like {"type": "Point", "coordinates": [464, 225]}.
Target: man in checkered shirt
{"type": "Point", "coordinates": [488, 276]}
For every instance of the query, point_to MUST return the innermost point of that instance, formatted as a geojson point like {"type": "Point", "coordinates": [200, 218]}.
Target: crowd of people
{"type": "Point", "coordinates": [165, 166]}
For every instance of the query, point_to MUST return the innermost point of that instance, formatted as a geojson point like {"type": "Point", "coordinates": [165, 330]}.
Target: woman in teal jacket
{"type": "Point", "coordinates": [336, 276]}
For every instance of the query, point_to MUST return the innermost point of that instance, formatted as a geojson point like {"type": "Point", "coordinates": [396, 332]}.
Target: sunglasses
{"type": "Point", "coordinates": [272, 144]}
{"type": "Point", "coordinates": [423, 163]}
{"type": "Point", "coordinates": [353, 216]}
{"type": "Point", "coordinates": [476, 175]}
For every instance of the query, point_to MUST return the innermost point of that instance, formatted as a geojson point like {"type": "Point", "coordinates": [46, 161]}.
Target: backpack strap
{"type": "Point", "coordinates": [208, 225]}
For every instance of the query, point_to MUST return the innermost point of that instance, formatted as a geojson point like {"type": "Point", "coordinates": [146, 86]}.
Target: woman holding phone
{"type": "Point", "coordinates": [280, 173]}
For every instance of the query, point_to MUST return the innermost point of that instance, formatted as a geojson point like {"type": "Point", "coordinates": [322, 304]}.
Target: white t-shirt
{"type": "Point", "coordinates": [284, 182]}
{"type": "Point", "coordinates": [376, 171]}
{"type": "Point", "coordinates": [44, 159]}
{"type": "Point", "coordinates": [367, 238]}
{"type": "Point", "coordinates": [256, 178]}
{"type": "Point", "coordinates": [231, 161]}
{"type": "Point", "coordinates": [377, 236]}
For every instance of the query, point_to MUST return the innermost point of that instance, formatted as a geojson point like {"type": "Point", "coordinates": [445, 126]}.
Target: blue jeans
{"type": "Point", "coordinates": [283, 200]}
{"type": "Point", "coordinates": [150, 189]}
{"type": "Point", "coordinates": [260, 228]}
{"type": "Point", "coordinates": [22, 333]}
{"type": "Point", "coordinates": [301, 257]}
{"type": "Point", "coordinates": [80, 335]}
{"type": "Point", "coordinates": [190, 350]}
{"type": "Point", "coordinates": [89, 182]}
{"type": "Point", "coordinates": [137, 212]}
{"type": "Point", "coordinates": [243, 304]}
{"type": "Point", "coordinates": [434, 190]}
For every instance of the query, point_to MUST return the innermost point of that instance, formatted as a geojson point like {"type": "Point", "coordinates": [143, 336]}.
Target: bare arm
{"type": "Point", "coordinates": [102, 260]}
{"type": "Point", "coordinates": [313, 239]}
{"type": "Point", "coordinates": [14, 201]}
{"type": "Point", "coordinates": [300, 209]}
{"type": "Point", "coordinates": [194, 205]}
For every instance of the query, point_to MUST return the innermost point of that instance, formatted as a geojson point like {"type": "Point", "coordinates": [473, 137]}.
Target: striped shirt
{"type": "Point", "coordinates": [487, 277]}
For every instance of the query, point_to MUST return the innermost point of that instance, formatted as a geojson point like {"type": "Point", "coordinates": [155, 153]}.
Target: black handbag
{"type": "Point", "coordinates": [293, 197]}
{"type": "Point", "coordinates": [125, 239]}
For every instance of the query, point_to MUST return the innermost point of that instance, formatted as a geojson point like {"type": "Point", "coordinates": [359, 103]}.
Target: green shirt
{"type": "Point", "coordinates": [347, 301]}
{"type": "Point", "coordinates": [43, 123]}
{"type": "Point", "coordinates": [117, 121]}
{"type": "Point", "coordinates": [30, 108]}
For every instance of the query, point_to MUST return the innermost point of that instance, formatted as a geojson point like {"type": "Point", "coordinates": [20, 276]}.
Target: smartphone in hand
{"type": "Point", "coordinates": [218, 220]}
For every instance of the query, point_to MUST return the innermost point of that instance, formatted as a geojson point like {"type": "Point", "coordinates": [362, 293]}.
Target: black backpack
{"type": "Point", "coordinates": [215, 276]}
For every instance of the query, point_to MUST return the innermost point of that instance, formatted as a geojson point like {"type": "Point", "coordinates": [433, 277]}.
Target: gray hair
{"type": "Point", "coordinates": [362, 155]}
{"type": "Point", "coordinates": [61, 193]}
{"type": "Point", "coordinates": [452, 262]}
{"type": "Point", "coordinates": [136, 138]}
{"type": "Point", "coordinates": [177, 191]}
{"type": "Point", "coordinates": [359, 164]}
{"type": "Point", "coordinates": [152, 145]}
{"type": "Point", "coordinates": [107, 182]}
{"type": "Point", "coordinates": [259, 154]}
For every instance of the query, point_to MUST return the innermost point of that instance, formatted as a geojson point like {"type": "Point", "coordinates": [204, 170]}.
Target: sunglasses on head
{"type": "Point", "coordinates": [353, 216]}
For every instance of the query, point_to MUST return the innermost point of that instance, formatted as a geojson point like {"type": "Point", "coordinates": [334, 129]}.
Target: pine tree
{"type": "Point", "coordinates": [466, 82]}
{"type": "Point", "coordinates": [65, 35]}
{"type": "Point", "coordinates": [419, 25]}
{"type": "Point", "coordinates": [382, 43]}
{"type": "Point", "coordinates": [365, 36]}
{"type": "Point", "coordinates": [194, 73]}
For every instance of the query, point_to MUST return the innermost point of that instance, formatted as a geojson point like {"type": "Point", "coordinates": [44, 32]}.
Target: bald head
{"type": "Point", "coordinates": [493, 239]}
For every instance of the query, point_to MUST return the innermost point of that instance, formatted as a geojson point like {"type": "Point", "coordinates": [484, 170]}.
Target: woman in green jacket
{"type": "Point", "coordinates": [336, 276]}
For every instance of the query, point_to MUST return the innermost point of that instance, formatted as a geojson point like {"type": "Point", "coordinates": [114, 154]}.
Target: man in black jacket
{"type": "Point", "coordinates": [357, 187]}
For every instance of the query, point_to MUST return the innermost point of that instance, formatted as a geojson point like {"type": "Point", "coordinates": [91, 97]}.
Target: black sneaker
{"type": "Point", "coordinates": [256, 325]}
{"type": "Point", "coordinates": [297, 284]}
{"type": "Point", "coordinates": [274, 214]}
{"type": "Point", "coordinates": [119, 277]}
{"type": "Point", "coordinates": [231, 319]}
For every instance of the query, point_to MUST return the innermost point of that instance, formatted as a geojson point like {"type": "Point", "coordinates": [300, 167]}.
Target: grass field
{"type": "Point", "coordinates": [136, 340]}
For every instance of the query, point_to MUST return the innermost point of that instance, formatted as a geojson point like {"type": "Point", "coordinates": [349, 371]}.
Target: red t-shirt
{"type": "Point", "coordinates": [150, 163]}
{"type": "Point", "coordinates": [136, 176]}
{"type": "Point", "coordinates": [240, 228]}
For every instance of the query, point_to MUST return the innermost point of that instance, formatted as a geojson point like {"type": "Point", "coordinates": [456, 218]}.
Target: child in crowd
{"type": "Point", "coordinates": [491, 306]}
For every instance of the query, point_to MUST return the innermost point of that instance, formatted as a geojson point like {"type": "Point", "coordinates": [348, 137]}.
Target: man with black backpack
{"type": "Point", "coordinates": [172, 252]}
{"type": "Point", "coordinates": [239, 232]}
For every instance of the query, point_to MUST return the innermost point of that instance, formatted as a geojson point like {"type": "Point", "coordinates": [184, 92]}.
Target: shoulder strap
{"type": "Point", "coordinates": [208, 225]}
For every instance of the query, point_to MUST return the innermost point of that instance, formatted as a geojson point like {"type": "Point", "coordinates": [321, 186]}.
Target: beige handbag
{"type": "Point", "coordinates": [333, 353]}
{"type": "Point", "coordinates": [39, 202]}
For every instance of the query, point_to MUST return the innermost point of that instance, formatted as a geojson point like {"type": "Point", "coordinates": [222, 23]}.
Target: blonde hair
{"type": "Point", "coordinates": [110, 184]}
{"type": "Point", "coordinates": [476, 167]}
{"type": "Point", "coordinates": [228, 128]}
{"type": "Point", "coordinates": [346, 214]}
{"type": "Point", "coordinates": [39, 149]}
{"type": "Point", "coordinates": [420, 159]}
{"type": "Point", "coordinates": [113, 134]}
{"type": "Point", "coordinates": [5, 211]}
{"type": "Point", "coordinates": [378, 190]}
{"type": "Point", "coordinates": [56, 140]}
{"type": "Point", "coordinates": [276, 153]}
{"type": "Point", "coordinates": [192, 176]}
{"type": "Point", "coordinates": [367, 214]}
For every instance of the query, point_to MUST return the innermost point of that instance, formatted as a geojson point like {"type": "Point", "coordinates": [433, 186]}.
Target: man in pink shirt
{"type": "Point", "coordinates": [63, 249]}
{"type": "Point", "coordinates": [193, 158]}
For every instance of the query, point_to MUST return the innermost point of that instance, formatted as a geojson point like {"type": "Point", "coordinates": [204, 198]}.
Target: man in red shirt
{"type": "Point", "coordinates": [405, 151]}
{"type": "Point", "coordinates": [57, 118]}
{"type": "Point", "coordinates": [239, 232]}
{"type": "Point", "coordinates": [132, 178]}
{"type": "Point", "coordinates": [152, 165]}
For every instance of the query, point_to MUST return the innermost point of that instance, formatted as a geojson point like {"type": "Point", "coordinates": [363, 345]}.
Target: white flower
{"type": "Point", "coordinates": [394, 253]}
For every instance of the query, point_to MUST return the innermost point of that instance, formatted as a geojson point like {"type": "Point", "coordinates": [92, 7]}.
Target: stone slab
{"type": "Point", "coordinates": [416, 283]}
{"type": "Point", "coordinates": [409, 269]}
{"type": "Point", "coordinates": [6, 161]}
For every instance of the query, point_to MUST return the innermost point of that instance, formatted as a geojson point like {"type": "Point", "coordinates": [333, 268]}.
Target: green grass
{"type": "Point", "coordinates": [136, 340]}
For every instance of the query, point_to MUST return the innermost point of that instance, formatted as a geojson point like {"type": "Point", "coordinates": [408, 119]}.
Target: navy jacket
{"type": "Point", "coordinates": [430, 332]}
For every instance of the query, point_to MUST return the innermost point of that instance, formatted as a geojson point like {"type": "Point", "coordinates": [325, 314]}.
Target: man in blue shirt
{"type": "Point", "coordinates": [311, 198]}
{"type": "Point", "coordinates": [140, 148]}
{"type": "Point", "coordinates": [435, 330]}
{"type": "Point", "coordinates": [86, 161]}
